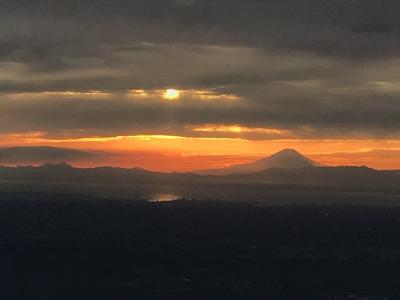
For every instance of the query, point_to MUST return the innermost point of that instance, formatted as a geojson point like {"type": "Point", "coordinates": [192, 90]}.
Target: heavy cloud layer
{"type": "Point", "coordinates": [313, 68]}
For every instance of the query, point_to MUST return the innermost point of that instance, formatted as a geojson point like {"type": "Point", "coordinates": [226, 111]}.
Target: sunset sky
{"type": "Point", "coordinates": [180, 85]}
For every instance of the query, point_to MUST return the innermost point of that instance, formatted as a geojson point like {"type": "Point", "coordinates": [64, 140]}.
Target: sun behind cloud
{"type": "Point", "coordinates": [171, 94]}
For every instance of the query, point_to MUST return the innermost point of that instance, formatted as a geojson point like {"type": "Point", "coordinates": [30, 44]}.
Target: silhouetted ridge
{"type": "Point", "coordinates": [289, 159]}
{"type": "Point", "coordinates": [41, 155]}
{"type": "Point", "coordinates": [362, 177]}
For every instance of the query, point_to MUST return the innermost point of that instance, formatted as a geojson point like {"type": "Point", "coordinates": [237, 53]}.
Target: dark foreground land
{"type": "Point", "coordinates": [79, 247]}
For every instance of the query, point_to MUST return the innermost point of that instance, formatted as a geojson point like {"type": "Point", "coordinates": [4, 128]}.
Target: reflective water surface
{"type": "Point", "coordinates": [164, 197]}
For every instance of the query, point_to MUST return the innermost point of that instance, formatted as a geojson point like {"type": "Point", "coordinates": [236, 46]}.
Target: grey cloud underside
{"type": "Point", "coordinates": [339, 27]}
{"type": "Point", "coordinates": [318, 68]}
{"type": "Point", "coordinates": [80, 117]}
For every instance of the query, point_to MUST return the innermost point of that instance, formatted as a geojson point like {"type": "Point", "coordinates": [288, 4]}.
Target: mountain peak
{"type": "Point", "coordinates": [289, 159]}
{"type": "Point", "coordinates": [288, 151]}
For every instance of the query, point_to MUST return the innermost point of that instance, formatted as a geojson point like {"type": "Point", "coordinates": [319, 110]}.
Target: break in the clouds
{"type": "Point", "coordinates": [254, 69]}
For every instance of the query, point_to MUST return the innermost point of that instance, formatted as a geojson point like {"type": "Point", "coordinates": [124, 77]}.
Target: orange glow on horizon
{"type": "Point", "coordinates": [177, 153]}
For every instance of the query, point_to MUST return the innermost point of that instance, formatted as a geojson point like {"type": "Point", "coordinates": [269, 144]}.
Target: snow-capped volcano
{"type": "Point", "coordinates": [285, 159]}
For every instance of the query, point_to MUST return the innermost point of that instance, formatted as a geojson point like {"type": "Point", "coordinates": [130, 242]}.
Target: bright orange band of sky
{"type": "Point", "coordinates": [174, 153]}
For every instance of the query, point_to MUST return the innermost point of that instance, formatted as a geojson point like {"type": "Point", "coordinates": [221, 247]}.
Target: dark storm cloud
{"type": "Point", "coordinates": [339, 27]}
{"type": "Point", "coordinates": [316, 68]}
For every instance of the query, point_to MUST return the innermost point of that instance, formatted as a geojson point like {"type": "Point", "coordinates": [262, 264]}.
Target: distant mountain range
{"type": "Point", "coordinates": [288, 159]}
{"type": "Point", "coordinates": [285, 167]}
{"type": "Point", "coordinates": [41, 155]}
{"type": "Point", "coordinates": [361, 177]}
